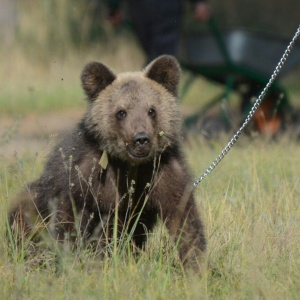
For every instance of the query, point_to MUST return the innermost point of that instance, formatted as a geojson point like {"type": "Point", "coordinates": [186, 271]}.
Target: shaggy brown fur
{"type": "Point", "coordinates": [134, 119]}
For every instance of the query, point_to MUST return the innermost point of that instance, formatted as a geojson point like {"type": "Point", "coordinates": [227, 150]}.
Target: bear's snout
{"type": "Point", "coordinates": [140, 146]}
{"type": "Point", "coordinates": [141, 139]}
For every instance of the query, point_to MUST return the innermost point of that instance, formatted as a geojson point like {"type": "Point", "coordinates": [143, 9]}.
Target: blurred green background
{"type": "Point", "coordinates": [46, 43]}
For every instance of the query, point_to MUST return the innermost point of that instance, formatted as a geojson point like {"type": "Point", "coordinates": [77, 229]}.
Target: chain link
{"type": "Point", "coordinates": [252, 111]}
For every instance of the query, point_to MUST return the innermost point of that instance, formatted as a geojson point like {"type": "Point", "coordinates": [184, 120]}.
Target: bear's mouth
{"type": "Point", "coordinates": [139, 152]}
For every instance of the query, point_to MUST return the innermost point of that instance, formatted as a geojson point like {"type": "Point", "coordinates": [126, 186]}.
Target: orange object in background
{"type": "Point", "coordinates": [265, 119]}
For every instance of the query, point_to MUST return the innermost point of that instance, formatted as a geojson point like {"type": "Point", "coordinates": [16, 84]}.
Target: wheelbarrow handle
{"type": "Point", "coordinates": [214, 27]}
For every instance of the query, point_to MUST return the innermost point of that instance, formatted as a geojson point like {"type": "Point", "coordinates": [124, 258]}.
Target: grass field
{"type": "Point", "coordinates": [250, 203]}
{"type": "Point", "coordinates": [250, 206]}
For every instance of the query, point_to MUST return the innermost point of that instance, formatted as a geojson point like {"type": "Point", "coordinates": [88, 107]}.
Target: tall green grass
{"type": "Point", "coordinates": [251, 211]}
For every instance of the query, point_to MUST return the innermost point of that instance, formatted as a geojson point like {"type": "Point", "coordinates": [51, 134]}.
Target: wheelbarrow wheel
{"type": "Point", "coordinates": [269, 116]}
{"type": "Point", "coordinates": [267, 121]}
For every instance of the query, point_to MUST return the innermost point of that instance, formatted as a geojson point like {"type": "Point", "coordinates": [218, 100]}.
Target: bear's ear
{"type": "Point", "coordinates": [95, 77]}
{"type": "Point", "coordinates": [166, 71]}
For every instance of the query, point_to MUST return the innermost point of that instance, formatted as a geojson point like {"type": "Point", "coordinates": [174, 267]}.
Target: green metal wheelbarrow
{"type": "Point", "coordinates": [242, 61]}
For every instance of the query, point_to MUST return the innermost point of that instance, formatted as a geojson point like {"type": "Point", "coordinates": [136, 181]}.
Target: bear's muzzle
{"type": "Point", "coordinates": [141, 146]}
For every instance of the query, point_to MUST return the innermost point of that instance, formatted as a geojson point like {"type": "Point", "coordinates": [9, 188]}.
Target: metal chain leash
{"type": "Point", "coordinates": [252, 111]}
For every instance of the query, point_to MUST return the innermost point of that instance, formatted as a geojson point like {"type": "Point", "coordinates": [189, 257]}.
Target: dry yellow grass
{"type": "Point", "coordinates": [251, 210]}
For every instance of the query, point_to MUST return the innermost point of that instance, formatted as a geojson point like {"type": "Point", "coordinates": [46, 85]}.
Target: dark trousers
{"type": "Point", "coordinates": [157, 24]}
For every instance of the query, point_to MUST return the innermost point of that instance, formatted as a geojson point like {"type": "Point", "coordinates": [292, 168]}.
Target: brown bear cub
{"type": "Point", "coordinates": [123, 159]}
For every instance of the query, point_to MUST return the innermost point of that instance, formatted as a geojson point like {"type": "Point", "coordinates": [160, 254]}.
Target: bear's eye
{"type": "Point", "coordinates": [152, 113]}
{"type": "Point", "coordinates": [121, 114]}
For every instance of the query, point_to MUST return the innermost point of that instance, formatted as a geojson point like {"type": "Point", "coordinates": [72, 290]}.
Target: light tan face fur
{"type": "Point", "coordinates": [134, 116]}
{"type": "Point", "coordinates": [135, 106]}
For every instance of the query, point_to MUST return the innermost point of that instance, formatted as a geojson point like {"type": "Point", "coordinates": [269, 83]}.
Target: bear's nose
{"type": "Point", "coordinates": [141, 139]}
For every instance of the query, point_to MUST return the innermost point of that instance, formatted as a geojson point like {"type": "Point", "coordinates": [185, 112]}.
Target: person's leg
{"type": "Point", "coordinates": [157, 24]}
{"type": "Point", "coordinates": [141, 14]}
{"type": "Point", "coordinates": [166, 29]}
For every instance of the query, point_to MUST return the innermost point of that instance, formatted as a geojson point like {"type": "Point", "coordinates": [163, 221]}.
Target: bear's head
{"type": "Point", "coordinates": [134, 116]}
